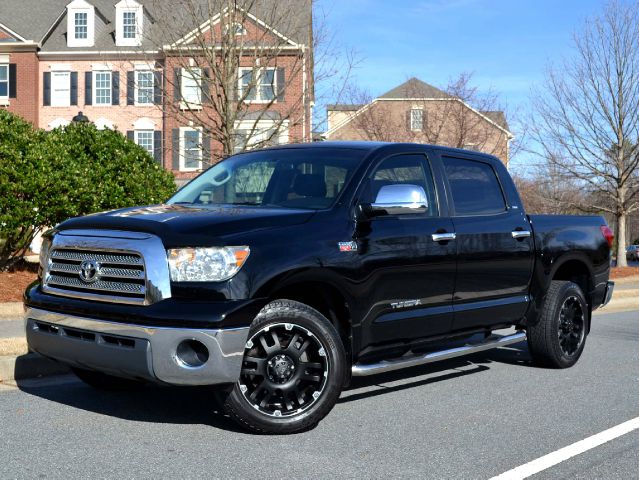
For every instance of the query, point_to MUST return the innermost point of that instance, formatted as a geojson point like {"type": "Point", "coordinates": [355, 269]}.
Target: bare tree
{"type": "Point", "coordinates": [454, 116]}
{"type": "Point", "coordinates": [547, 190]}
{"type": "Point", "coordinates": [241, 69]}
{"type": "Point", "coordinates": [587, 119]}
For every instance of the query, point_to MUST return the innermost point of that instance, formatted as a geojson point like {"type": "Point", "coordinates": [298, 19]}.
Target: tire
{"type": "Point", "coordinates": [103, 381]}
{"type": "Point", "coordinates": [559, 338]}
{"type": "Point", "coordinates": [293, 371]}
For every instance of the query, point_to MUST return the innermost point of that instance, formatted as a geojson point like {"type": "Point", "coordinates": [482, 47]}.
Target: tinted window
{"type": "Point", "coordinates": [295, 178]}
{"type": "Point", "coordinates": [403, 169]}
{"type": "Point", "coordinates": [475, 188]}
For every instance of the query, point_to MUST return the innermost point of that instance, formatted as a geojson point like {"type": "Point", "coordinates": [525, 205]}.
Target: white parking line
{"type": "Point", "coordinates": [563, 454]}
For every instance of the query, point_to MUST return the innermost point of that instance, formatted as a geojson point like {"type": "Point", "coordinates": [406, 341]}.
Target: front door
{"type": "Point", "coordinates": [494, 247]}
{"type": "Point", "coordinates": [408, 276]}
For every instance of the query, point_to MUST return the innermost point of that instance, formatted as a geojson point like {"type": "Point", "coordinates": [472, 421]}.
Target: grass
{"type": "Point", "coordinates": [13, 346]}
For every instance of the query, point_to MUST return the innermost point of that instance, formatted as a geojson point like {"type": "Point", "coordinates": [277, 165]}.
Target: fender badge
{"type": "Point", "coordinates": [347, 246]}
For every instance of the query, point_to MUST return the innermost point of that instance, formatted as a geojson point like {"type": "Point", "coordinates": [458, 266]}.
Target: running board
{"type": "Point", "coordinates": [494, 341]}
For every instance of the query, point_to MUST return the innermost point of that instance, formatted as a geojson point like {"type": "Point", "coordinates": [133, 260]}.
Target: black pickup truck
{"type": "Point", "coordinates": [279, 274]}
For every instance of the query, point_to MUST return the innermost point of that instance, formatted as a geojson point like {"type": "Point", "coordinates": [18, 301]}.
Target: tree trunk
{"type": "Point", "coordinates": [621, 240]}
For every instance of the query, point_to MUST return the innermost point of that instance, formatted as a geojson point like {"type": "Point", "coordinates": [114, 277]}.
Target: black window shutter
{"type": "Point", "coordinates": [13, 80]}
{"type": "Point", "coordinates": [176, 148]}
{"type": "Point", "coordinates": [157, 88]}
{"type": "Point", "coordinates": [74, 88]}
{"type": "Point", "coordinates": [281, 84]}
{"type": "Point", "coordinates": [206, 149]}
{"type": "Point", "coordinates": [408, 122]}
{"type": "Point", "coordinates": [424, 119]}
{"type": "Point", "coordinates": [177, 85]}
{"type": "Point", "coordinates": [46, 92]}
{"type": "Point", "coordinates": [130, 134]}
{"type": "Point", "coordinates": [157, 146]}
{"type": "Point", "coordinates": [130, 88]}
{"type": "Point", "coordinates": [88, 88]}
{"type": "Point", "coordinates": [115, 88]}
{"type": "Point", "coordinates": [206, 85]}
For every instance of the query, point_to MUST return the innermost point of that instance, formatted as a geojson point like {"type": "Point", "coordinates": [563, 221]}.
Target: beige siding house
{"type": "Point", "coordinates": [418, 112]}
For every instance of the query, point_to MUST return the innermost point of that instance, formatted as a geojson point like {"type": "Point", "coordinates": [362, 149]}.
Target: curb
{"type": "Point", "coordinates": [31, 365]}
{"type": "Point", "coordinates": [11, 311]}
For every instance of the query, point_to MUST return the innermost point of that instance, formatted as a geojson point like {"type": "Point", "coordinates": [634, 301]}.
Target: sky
{"type": "Point", "coordinates": [506, 44]}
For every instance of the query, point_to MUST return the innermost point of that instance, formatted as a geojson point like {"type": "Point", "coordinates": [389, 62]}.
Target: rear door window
{"type": "Point", "coordinates": [474, 186]}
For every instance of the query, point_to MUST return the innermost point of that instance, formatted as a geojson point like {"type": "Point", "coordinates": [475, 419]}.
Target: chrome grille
{"type": "Point", "coordinates": [121, 277]}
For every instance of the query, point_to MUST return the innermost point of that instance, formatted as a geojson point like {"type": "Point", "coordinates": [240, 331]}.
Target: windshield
{"type": "Point", "coordinates": [305, 178]}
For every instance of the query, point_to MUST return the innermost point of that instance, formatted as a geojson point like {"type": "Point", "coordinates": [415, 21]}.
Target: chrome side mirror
{"type": "Point", "coordinates": [399, 199]}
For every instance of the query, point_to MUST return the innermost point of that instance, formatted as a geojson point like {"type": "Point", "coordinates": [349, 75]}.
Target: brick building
{"type": "Point", "coordinates": [418, 112]}
{"type": "Point", "coordinates": [109, 59]}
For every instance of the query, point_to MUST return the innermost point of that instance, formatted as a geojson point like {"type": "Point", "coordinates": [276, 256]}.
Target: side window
{"type": "Point", "coordinates": [474, 186]}
{"type": "Point", "coordinates": [403, 169]}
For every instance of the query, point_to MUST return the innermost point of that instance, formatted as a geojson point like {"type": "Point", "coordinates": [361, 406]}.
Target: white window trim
{"type": "Point", "coordinates": [136, 89]}
{"type": "Point", "coordinates": [80, 6]}
{"type": "Point", "coordinates": [104, 123]}
{"type": "Point", "coordinates": [421, 127]}
{"type": "Point", "coordinates": [263, 126]}
{"type": "Point", "coordinates": [258, 71]}
{"type": "Point", "coordinates": [4, 99]}
{"type": "Point", "coordinates": [128, 6]}
{"type": "Point", "coordinates": [182, 155]}
{"type": "Point", "coordinates": [136, 139]}
{"type": "Point", "coordinates": [56, 101]}
{"type": "Point", "coordinates": [185, 104]}
{"type": "Point", "coordinates": [95, 89]}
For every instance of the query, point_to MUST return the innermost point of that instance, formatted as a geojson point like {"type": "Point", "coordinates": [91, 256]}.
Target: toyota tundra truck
{"type": "Point", "coordinates": [279, 274]}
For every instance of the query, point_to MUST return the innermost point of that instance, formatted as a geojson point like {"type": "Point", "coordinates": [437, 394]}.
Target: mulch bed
{"type": "Point", "coordinates": [622, 272]}
{"type": "Point", "coordinates": [13, 284]}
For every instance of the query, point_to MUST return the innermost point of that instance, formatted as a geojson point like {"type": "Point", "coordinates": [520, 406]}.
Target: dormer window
{"type": "Point", "coordinates": [80, 24]}
{"type": "Point", "coordinates": [129, 18]}
{"type": "Point", "coordinates": [129, 25]}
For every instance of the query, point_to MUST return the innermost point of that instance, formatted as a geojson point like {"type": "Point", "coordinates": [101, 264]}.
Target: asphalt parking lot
{"type": "Point", "coordinates": [474, 417]}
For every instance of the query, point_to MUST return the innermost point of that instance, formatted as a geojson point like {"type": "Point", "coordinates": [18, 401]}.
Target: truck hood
{"type": "Point", "coordinates": [182, 225]}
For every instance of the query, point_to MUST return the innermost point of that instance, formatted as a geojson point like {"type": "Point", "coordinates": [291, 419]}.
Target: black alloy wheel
{"type": "Point", "coordinates": [284, 370]}
{"type": "Point", "coordinates": [572, 328]}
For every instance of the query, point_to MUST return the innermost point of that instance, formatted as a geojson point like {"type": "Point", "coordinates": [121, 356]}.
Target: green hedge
{"type": "Point", "coordinates": [47, 177]}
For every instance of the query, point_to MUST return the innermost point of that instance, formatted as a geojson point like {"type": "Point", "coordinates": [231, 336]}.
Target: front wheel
{"type": "Point", "coordinates": [558, 339]}
{"type": "Point", "coordinates": [292, 373]}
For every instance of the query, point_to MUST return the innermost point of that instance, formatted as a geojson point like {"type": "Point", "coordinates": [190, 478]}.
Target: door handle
{"type": "Point", "coordinates": [519, 234]}
{"type": "Point", "coordinates": [444, 237]}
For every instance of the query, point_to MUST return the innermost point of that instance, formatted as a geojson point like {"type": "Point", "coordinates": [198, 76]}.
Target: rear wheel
{"type": "Point", "coordinates": [293, 370]}
{"type": "Point", "coordinates": [102, 381]}
{"type": "Point", "coordinates": [559, 337]}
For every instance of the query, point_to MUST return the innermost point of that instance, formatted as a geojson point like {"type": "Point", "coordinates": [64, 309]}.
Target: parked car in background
{"type": "Point", "coordinates": [632, 252]}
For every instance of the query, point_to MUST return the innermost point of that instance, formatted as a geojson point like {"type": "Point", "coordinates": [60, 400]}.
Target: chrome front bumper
{"type": "Point", "coordinates": [135, 351]}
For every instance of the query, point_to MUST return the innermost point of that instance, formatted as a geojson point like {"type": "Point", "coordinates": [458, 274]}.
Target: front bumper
{"type": "Point", "coordinates": [610, 286]}
{"type": "Point", "coordinates": [135, 351]}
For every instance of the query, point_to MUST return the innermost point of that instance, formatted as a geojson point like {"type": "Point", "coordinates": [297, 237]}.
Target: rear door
{"type": "Point", "coordinates": [494, 246]}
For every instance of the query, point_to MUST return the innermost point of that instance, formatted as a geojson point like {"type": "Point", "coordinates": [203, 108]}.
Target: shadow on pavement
{"type": "Point", "coordinates": [516, 354]}
{"type": "Point", "coordinates": [148, 403]}
{"type": "Point", "coordinates": [197, 405]}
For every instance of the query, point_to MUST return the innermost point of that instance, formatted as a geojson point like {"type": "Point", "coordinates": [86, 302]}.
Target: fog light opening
{"type": "Point", "coordinates": [191, 353]}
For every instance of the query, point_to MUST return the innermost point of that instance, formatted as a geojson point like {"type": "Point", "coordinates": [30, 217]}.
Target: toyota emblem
{"type": "Point", "coordinates": [89, 271]}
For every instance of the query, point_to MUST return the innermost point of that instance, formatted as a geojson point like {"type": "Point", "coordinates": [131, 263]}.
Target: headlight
{"type": "Point", "coordinates": [44, 251]}
{"type": "Point", "coordinates": [214, 264]}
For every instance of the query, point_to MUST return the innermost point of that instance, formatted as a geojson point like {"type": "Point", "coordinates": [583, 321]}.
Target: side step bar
{"type": "Point", "coordinates": [494, 341]}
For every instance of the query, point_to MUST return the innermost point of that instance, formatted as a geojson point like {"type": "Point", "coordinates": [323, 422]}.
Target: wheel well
{"type": "Point", "coordinates": [324, 298]}
{"type": "Point", "coordinates": [576, 271]}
